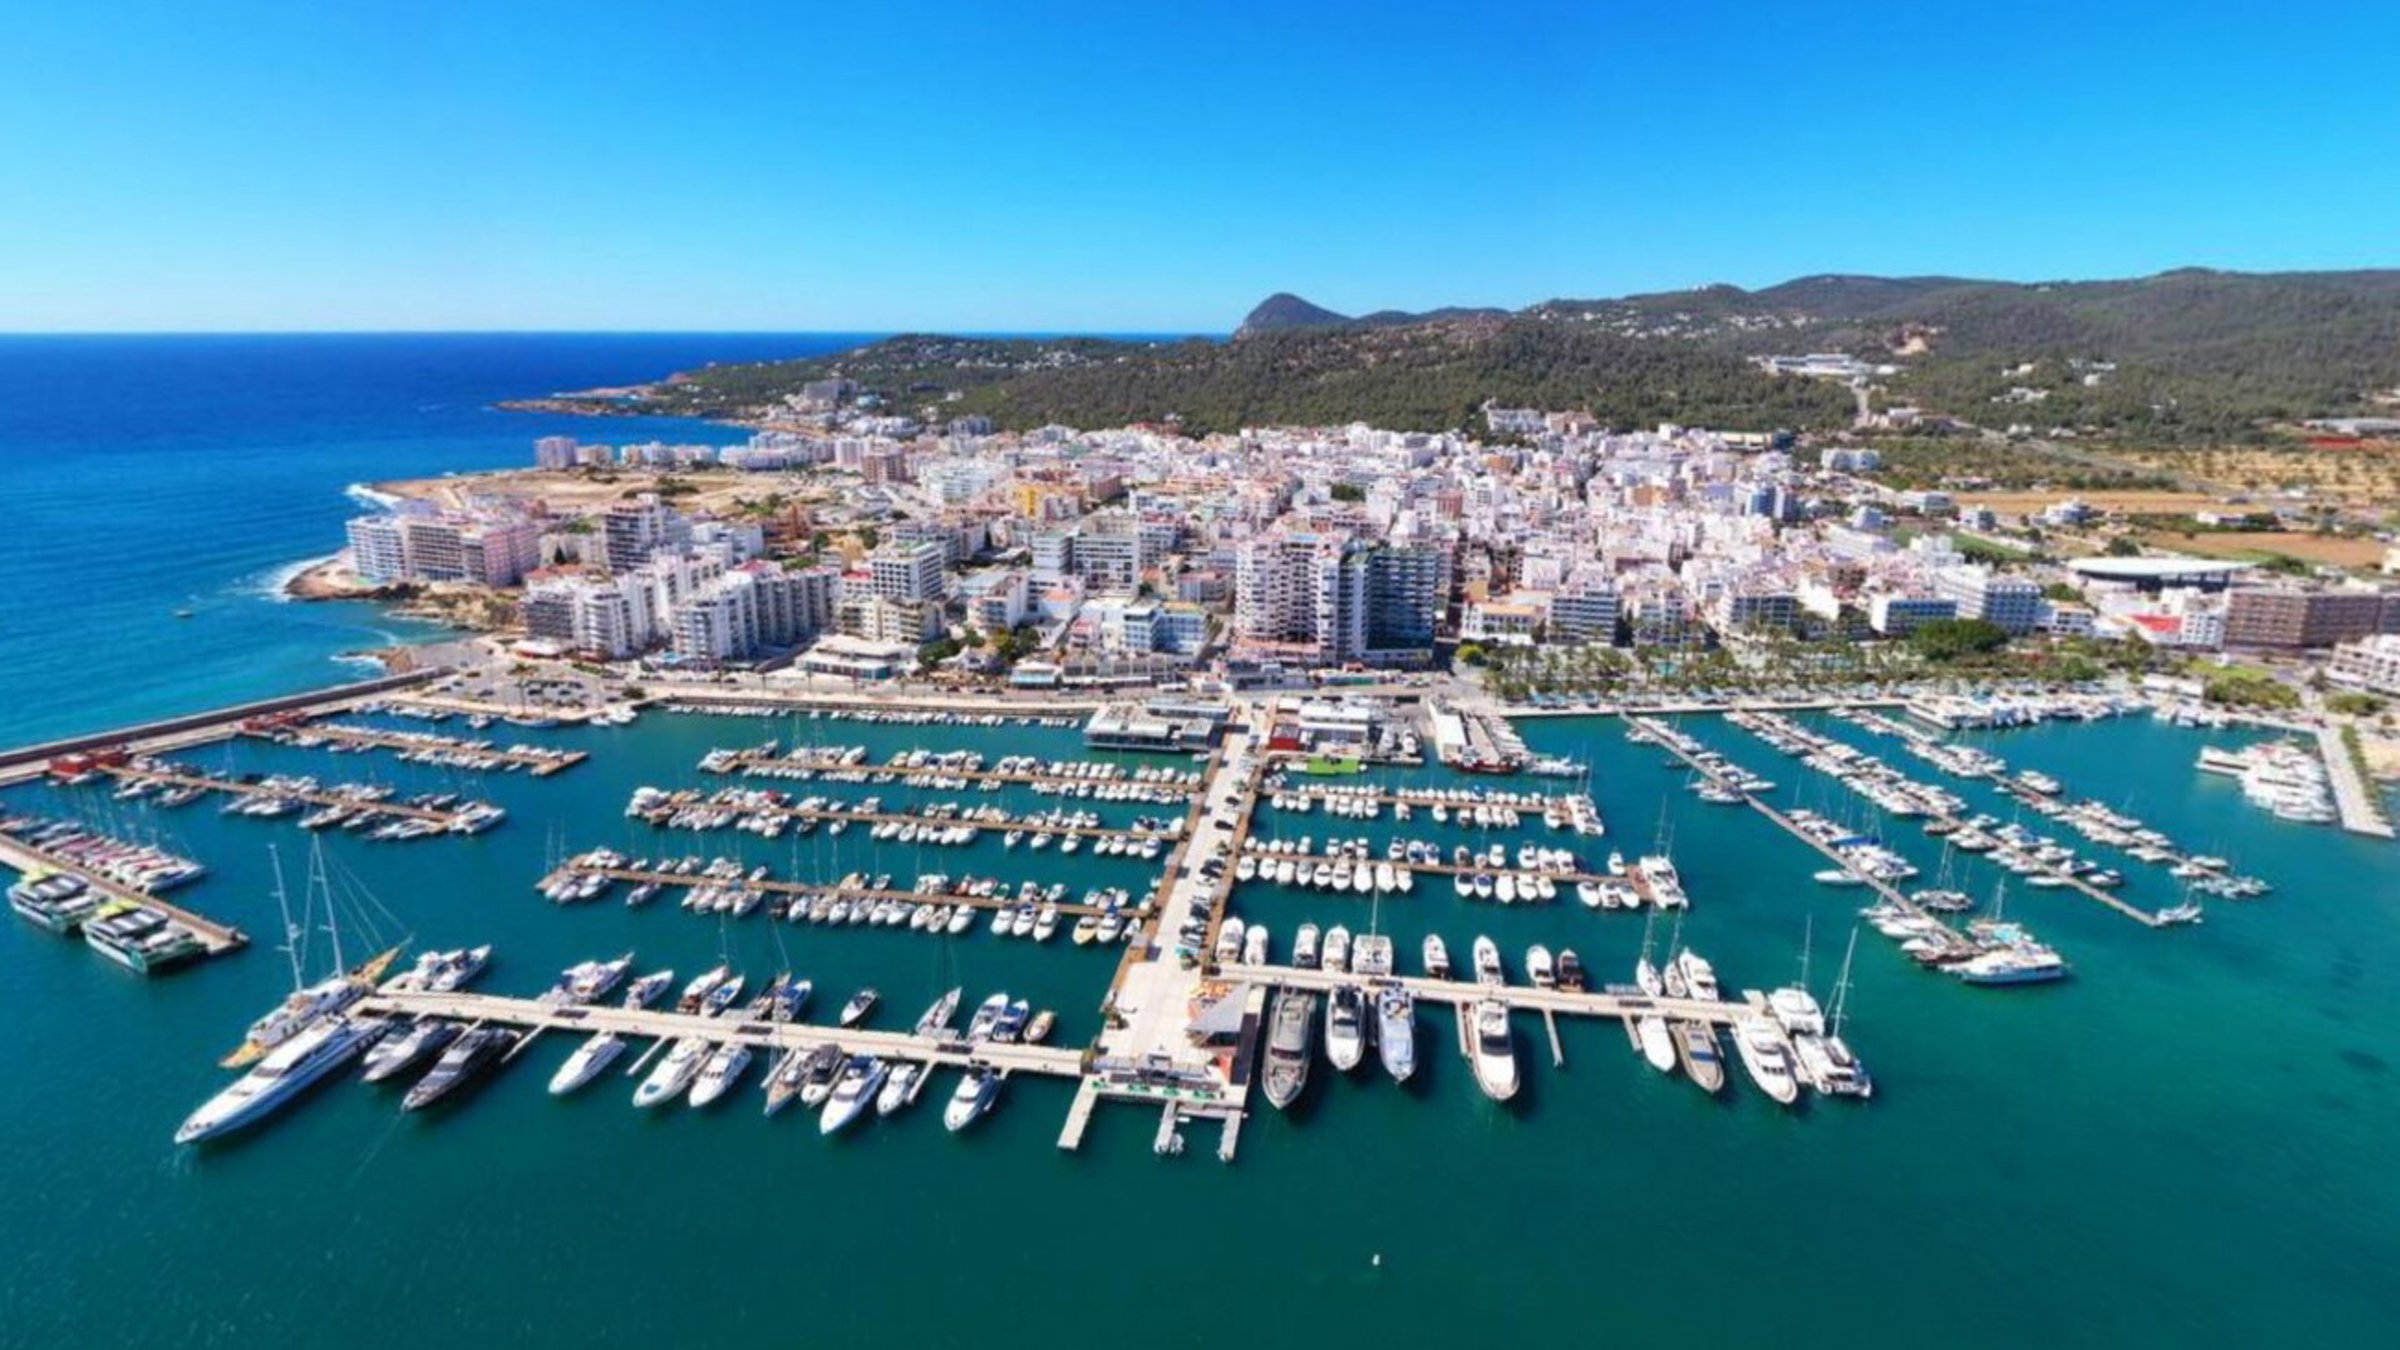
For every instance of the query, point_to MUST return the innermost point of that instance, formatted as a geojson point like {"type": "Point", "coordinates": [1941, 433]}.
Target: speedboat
{"type": "Point", "coordinates": [1696, 1048]}
{"type": "Point", "coordinates": [301, 1059]}
{"type": "Point", "coordinates": [1699, 977]}
{"type": "Point", "coordinates": [862, 1077]}
{"type": "Point", "coordinates": [475, 1050]}
{"type": "Point", "coordinates": [673, 1073]}
{"type": "Point", "coordinates": [1538, 967]}
{"type": "Point", "coordinates": [586, 1064]}
{"type": "Point", "coordinates": [977, 1089]}
{"type": "Point", "coordinates": [1304, 947]}
{"type": "Point", "coordinates": [1396, 1032]}
{"type": "Point", "coordinates": [860, 1004]}
{"type": "Point", "coordinates": [645, 991]}
{"type": "Point", "coordinates": [1345, 1027]}
{"type": "Point", "coordinates": [1495, 1051]}
{"type": "Point", "coordinates": [696, 993]}
{"type": "Point", "coordinates": [1437, 957]}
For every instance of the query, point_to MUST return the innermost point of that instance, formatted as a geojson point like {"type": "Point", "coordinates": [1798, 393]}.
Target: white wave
{"type": "Point", "coordinates": [272, 583]}
{"type": "Point", "coordinates": [371, 499]}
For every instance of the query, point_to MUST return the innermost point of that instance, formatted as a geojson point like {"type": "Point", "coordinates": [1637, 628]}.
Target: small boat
{"type": "Point", "coordinates": [972, 1100]}
{"type": "Point", "coordinates": [1337, 949]}
{"type": "Point", "coordinates": [696, 993]}
{"type": "Point", "coordinates": [1571, 976]}
{"type": "Point", "coordinates": [1539, 967]}
{"type": "Point", "coordinates": [1696, 1048]}
{"type": "Point", "coordinates": [1437, 958]}
{"type": "Point", "coordinates": [645, 991]}
{"type": "Point", "coordinates": [1038, 1030]}
{"type": "Point", "coordinates": [1304, 947]}
{"type": "Point", "coordinates": [986, 1021]}
{"type": "Point", "coordinates": [475, 1050]}
{"type": "Point", "coordinates": [860, 1004]}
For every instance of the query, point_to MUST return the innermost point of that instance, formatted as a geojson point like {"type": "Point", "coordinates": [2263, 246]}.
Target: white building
{"type": "Point", "coordinates": [911, 573]}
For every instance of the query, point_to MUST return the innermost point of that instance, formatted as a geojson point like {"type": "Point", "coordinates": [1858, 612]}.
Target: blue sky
{"type": "Point", "coordinates": [1138, 167]}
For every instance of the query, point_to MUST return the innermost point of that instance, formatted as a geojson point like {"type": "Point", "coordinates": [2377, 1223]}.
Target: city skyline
{"type": "Point", "coordinates": [1094, 170]}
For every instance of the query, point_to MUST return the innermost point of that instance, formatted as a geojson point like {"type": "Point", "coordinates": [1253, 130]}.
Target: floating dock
{"type": "Point", "coordinates": [215, 938]}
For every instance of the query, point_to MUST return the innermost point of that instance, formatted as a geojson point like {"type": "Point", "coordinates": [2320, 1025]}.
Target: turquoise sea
{"type": "Point", "coordinates": [2187, 1144]}
{"type": "Point", "coordinates": [2182, 1145]}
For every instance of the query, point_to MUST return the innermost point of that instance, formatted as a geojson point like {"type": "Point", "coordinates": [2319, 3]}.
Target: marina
{"type": "Point", "coordinates": [414, 746]}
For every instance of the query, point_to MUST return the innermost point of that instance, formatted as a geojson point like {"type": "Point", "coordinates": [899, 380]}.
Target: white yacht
{"type": "Point", "coordinates": [1345, 1027]}
{"type": "Point", "coordinates": [1495, 1051]}
{"type": "Point", "coordinates": [723, 1070]}
{"type": "Point", "coordinates": [901, 1087]}
{"type": "Point", "coordinates": [586, 1064]}
{"type": "Point", "coordinates": [299, 1060]}
{"type": "Point", "coordinates": [1337, 949]}
{"type": "Point", "coordinates": [1767, 1057]}
{"type": "Point", "coordinates": [977, 1089]}
{"type": "Point", "coordinates": [1488, 969]}
{"type": "Point", "coordinates": [1396, 1032]}
{"type": "Point", "coordinates": [1436, 957]}
{"type": "Point", "coordinates": [853, 1093]}
{"type": "Point", "coordinates": [1657, 1045]}
{"type": "Point", "coordinates": [1699, 977]}
{"type": "Point", "coordinates": [673, 1073]}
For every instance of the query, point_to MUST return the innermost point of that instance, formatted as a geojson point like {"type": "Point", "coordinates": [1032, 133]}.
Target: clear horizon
{"type": "Point", "coordinates": [1083, 169]}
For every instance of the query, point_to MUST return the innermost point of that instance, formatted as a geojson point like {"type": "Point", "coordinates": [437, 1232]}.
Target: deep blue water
{"type": "Point", "coordinates": [147, 474]}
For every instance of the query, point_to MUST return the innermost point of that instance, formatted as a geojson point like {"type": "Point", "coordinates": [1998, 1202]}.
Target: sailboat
{"type": "Point", "coordinates": [308, 1003]}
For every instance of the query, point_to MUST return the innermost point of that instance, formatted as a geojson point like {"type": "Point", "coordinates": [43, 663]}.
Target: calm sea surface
{"type": "Point", "coordinates": [2190, 1143]}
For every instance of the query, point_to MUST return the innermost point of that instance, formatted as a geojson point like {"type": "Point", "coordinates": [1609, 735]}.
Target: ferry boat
{"type": "Point", "coordinates": [475, 1050]}
{"type": "Point", "coordinates": [1288, 1045]}
{"type": "Point", "coordinates": [1495, 1051]}
{"type": "Point", "coordinates": [139, 938]}
{"type": "Point", "coordinates": [978, 1088]}
{"type": "Point", "coordinates": [1396, 1032]}
{"type": "Point", "coordinates": [280, 1075]}
{"type": "Point", "coordinates": [56, 901]}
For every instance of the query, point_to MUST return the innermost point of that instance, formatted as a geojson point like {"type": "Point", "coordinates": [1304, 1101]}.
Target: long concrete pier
{"type": "Point", "coordinates": [2353, 796]}
{"type": "Point", "coordinates": [538, 763]}
{"type": "Point", "coordinates": [858, 817]}
{"type": "Point", "coordinates": [810, 890]}
{"type": "Point", "coordinates": [534, 1014]}
{"type": "Point", "coordinates": [178, 733]}
{"type": "Point", "coordinates": [786, 769]}
{"type": "Point", "coordinates": [313, 796]}
{"type": "Point", "coordinates": [1607, 1002]}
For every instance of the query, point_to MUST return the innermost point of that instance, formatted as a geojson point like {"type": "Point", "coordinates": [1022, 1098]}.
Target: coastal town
{"type": "Point", "coordinates": [1547, 560]}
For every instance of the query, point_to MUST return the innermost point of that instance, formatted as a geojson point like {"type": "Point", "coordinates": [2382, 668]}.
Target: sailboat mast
{"type": "Point", "coordinates": [1841, 986]}
{"type": "Point", "coordinates": [283, 905]}
{"type": "Point", "coordinates": [324, 885]}
{"type": "Point", "coordinates": [1808, 938]}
